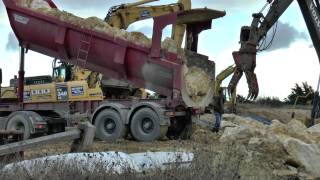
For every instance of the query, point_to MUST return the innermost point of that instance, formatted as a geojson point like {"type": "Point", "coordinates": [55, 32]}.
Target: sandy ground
{"type": "Point", "coordinates": [283, 114]}
{"type": "Point", "coordinates": [201, 139]}
{"type": "Point", "coordinates": [227, 159]}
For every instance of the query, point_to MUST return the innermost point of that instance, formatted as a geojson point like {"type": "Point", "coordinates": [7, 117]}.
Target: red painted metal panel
{"type": "Point", "coordinates": [110, 56]}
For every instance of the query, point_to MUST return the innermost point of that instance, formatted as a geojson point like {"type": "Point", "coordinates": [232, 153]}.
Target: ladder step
{"type": "Point", "coordinates": [83, 51]}
{"type": "Point", "coordinates": [82, 60]}
{"type": "Point", "coordinates": [85, 47]}
{"type": "Point", "coordinates": [85, 42]}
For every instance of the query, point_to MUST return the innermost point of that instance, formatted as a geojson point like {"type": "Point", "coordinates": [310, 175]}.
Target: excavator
{"type": "Point", "coordinates": [94, 85]}
{"type": "Point", "coordinates": [253, 39]}
{"type": "Point", "coordinates": [67, 83]}
{"type": "Point", "coordinates": [121, 16]}
{"type": "Point", "coordinates": [230, 100]}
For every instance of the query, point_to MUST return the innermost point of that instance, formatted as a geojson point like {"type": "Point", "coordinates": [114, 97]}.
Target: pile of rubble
{"type": "Point", "coordinates": [96, 24]}
{"type": "Point", "coordinates": [293, 146]}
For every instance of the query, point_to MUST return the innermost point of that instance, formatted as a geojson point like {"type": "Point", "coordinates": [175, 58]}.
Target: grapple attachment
{"type": "Point", "coordinates": [245, 63]}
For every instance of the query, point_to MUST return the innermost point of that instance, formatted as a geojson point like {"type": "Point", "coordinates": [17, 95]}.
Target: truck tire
{"type": "Point", "coordinates": [19, 122]}
{"type": "Point", "coordinates": [109, 125]}
{"type": "Point", "coordinates": [145, 125]}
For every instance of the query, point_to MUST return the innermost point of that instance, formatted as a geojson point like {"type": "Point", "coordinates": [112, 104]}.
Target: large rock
{"type": "Point", "coordinates": [314, 132]}
{"type": "Point", "coordinates": [225, 124]}
{"type": "Point", "coordinates": [238, 120]}
{"type": "Point", "coordinates": [240, 128]}
{"type": "Point", "coordinates": [242, 132]}
{"type": "Point", "coordinates": [306, 155]}
{"type": "Point", "coordinates": [294, 128]}
{"type": "Point", "coordinates": [235, 133]}
{"type": "Point", "coordinates": [314, 129]}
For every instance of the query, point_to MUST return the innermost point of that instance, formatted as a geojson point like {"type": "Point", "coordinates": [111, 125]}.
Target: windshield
{"type": "Point", "coordinates": [59, 74]}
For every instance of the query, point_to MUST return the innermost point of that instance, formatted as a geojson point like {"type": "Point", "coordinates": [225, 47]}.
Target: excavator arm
{"type": "Point", "coordinates": [222, 76]}
{"type": "Point", "coordinates": [121, 16]}
{"type": "Point", "coordinates": [230, 103]}
{"type": "Point", "coordinates": [253, 36]}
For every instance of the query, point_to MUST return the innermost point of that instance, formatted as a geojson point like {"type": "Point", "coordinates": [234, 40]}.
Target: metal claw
{"type": "Point", "coordinates": [234, 81]}
{"type": "Point", "coordinates": [245, 63]}
{"type": "Point", "coordinates": [252, 85]}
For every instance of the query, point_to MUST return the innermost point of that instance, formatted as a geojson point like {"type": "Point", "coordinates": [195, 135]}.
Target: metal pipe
{"type": "Point", "coordinates": [21, 75]}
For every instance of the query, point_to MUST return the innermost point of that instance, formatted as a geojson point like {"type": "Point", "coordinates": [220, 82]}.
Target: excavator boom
{"type": "Point", "coordinates": [138, 3]}
{"type": "Point", "coordinates": [121, 16]}
{"type": "Point", "coordinates": [252, 36]}
{"type": "Point", "coordinates": [222, 76]}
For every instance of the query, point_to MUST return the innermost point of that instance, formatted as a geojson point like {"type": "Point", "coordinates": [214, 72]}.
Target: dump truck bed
{"type": "Point", "coordinates": [151, 68]}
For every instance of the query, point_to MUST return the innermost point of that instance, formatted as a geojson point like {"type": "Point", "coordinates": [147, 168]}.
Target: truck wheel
{"type": "Point", "coordinates": [145, 125]}
{"type": "Point", "coordinates": [19, 123]}
{"type": "Point", "coordinates": [109, 125]}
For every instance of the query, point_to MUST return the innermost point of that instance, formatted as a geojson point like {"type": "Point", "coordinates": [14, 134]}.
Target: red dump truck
{"type": "Point", "coordinates": [150, 68]}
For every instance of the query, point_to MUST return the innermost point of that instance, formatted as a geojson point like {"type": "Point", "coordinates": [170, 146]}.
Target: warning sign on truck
{"type": "Point", "coordinates": [77, 91]}
{"type": "Point", "coordinates": [62, 93]}
{"type": "Point", "coordinates": [26, 96]}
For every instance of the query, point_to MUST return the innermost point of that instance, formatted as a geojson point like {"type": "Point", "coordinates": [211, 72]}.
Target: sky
{"type": "Point", "coordinates": [291, 58]}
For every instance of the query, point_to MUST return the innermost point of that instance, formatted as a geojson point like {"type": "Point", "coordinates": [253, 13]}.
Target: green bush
{"type": "Point", "coordinates": [269, 101]}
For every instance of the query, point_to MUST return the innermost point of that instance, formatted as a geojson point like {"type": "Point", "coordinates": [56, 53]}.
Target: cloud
{"type": "Point", "coordinates": [285, 36]}
{"type": "Point", "coordinates": [2, 13]}
{"type": "Point", "coordinates": [279, 70]}
{"type": "Point", "coordinates": [12, 44]}
{"type": "Point", "coordinates": [145, 29]}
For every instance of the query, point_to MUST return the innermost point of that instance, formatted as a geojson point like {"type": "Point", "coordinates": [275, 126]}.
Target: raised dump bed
{"type": "Point", "coordinates": [115, 54]}
{"type": "Point", "coordinates": [185, 77]}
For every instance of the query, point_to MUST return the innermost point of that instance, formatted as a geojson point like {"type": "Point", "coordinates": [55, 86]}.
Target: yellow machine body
{"type": "Point", "coordinates": [65, 91]}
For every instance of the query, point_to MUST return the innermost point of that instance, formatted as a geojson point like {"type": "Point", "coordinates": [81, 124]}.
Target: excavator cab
{"type": "Point", "coordinates": [62, 72]}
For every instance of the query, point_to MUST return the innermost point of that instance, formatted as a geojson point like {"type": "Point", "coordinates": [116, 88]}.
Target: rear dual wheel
{"type": "Point", "coordinates": [19, 123]}
{"type": "Point", "coordinates": [109, 125]}
{"type": "Point", "coordinates": [145, 126]}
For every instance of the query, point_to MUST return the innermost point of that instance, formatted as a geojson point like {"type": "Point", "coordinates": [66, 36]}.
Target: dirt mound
{"type": "Point", "coordinates": [293, 141]}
